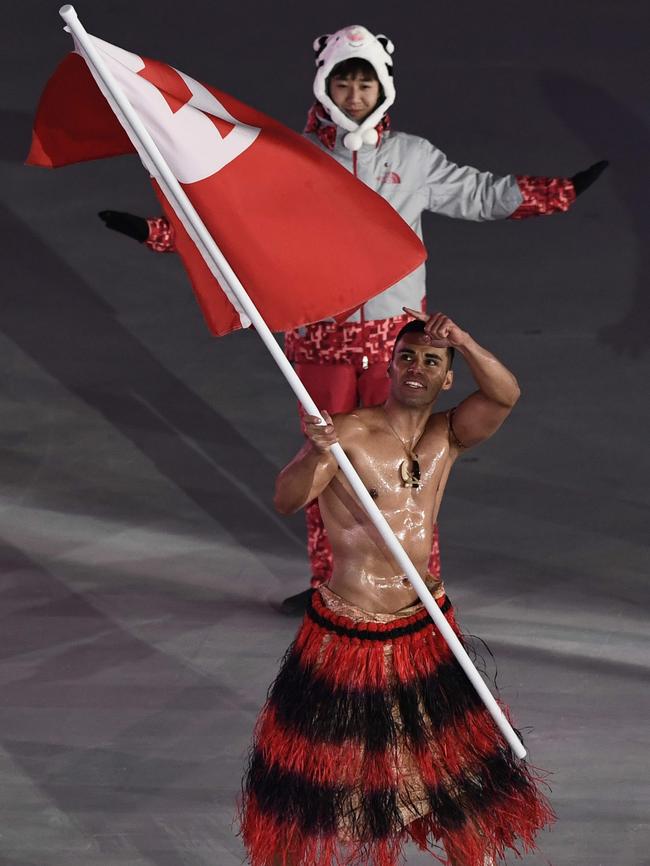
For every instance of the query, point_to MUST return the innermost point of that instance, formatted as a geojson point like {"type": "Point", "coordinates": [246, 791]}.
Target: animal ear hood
{"type": "Point", "coordinates": [332, 49]}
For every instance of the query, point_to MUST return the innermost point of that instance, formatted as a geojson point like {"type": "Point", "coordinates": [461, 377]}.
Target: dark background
{"type": "Point", "coordinates": [141, 554]}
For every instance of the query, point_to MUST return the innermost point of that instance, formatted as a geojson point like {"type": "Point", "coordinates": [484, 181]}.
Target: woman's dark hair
{"type": "Point", "coordinates": [416, 326]}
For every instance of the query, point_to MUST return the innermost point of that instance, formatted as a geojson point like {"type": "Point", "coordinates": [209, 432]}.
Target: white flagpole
{"type": "Point", "coordinates": [158, 168]}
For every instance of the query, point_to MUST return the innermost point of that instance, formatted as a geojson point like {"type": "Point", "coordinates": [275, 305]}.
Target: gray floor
{"type": "Point", "coordinates": [141, 555]}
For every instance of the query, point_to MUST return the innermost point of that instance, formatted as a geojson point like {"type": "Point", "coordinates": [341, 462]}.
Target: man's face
{"type": "Point", "coordinates": [356, 95]}
{"type": "Point", "coordinates": [418, 371]}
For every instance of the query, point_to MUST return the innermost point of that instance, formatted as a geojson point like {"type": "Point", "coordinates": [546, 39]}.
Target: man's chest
{"type": "Point", "coordinates": [391, 469]}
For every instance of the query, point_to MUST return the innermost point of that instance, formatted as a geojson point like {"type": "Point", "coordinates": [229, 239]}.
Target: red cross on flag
{"type": "Point", "coordinates": [306, 239]}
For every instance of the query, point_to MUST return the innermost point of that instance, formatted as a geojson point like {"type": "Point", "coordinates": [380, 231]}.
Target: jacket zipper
{"type": "Point", "coordinates": [364, 360]}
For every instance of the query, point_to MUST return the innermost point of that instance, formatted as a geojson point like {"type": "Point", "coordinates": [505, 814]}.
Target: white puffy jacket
{"type": "Point", "coordinates": [414, 176]}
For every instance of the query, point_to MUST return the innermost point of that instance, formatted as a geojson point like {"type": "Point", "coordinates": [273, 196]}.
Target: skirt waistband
{"type": "Point", "coordinates": [333, 613]}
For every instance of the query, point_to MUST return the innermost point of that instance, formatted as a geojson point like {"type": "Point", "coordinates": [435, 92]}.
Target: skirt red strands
{"type": "Point", "coordinates": [372, 735]}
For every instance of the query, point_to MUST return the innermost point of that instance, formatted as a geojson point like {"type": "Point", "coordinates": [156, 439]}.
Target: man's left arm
{"type": "Point", "coordinates": [483, 412]}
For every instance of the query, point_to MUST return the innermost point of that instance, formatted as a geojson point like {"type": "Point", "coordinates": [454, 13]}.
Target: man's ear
{"type": "Point", "coordinates": [449, 380]}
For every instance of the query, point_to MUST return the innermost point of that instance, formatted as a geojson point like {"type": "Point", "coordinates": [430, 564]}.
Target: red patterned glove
{"type": "Point", "coordinates": [543, 196]}
{"type": "Point", "coordinates": [161, 235]}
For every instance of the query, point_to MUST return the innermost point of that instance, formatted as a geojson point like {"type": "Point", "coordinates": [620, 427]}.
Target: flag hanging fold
{"type": "Point", "coordinates": [306, 238]}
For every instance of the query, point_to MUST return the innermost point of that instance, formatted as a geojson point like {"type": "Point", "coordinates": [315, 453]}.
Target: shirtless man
{"type": "Point", "coordinates": [383, 443]}
{"type": "Point", "coordinates": [372, 734]}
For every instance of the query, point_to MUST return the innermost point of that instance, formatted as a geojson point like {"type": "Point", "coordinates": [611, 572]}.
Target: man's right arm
{"type": "Point", "coordinates": [311, 470]}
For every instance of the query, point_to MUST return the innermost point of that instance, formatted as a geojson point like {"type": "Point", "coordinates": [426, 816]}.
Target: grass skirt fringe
{"type": "Point", "coordinates": [373, 735]}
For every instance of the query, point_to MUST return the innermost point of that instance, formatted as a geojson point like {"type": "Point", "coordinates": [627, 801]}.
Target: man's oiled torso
{"type": "Point", "coordinates": [364, 571]}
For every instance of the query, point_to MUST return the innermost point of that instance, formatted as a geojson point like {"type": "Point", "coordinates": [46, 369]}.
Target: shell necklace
{"type": "Point", "coordinates": [410, 474]}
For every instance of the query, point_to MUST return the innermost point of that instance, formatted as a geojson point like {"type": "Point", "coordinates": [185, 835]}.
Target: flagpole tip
{"type": "Point", "coordinates": [67, 12]}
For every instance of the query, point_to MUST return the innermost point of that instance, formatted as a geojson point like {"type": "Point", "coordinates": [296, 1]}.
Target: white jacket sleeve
{"type": "Point", "coordinates": [464, 192]}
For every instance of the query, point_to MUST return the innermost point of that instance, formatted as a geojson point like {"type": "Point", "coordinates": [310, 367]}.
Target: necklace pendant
{"type": "Point", "coordinates": [410, 477]}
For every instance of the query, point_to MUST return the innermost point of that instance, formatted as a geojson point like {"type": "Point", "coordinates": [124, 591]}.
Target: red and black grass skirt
{"type": "Point", "coordinates": [372, 736]}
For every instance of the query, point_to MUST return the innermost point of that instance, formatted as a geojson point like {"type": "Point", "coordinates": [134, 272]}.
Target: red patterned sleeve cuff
{"type": "Point", "coordinates": [161, 235]}
{"type": "Point", "coordinates": [543, 196]}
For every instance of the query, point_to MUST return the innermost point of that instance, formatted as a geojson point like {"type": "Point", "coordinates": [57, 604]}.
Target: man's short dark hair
{"type": "Point", "coordinates": [355, 66]}
{"type": "Point", "coordinates": [416, 326]}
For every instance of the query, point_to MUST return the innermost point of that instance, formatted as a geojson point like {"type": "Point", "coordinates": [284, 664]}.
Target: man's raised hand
{"type": "Point", "coordinates": [443, 332]}
{"type": "Point", "coordinates": [321, 436]}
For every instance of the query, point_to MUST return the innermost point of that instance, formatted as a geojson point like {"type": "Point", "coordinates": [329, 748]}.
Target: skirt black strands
{"type": "Point", "coordinates": [373, 735]}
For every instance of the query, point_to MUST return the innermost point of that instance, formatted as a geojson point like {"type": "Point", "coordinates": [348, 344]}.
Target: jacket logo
{"type": "Point", "coordinates": [389, 177]}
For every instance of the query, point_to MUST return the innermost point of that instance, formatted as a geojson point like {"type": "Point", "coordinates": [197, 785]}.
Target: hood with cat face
{"type": "Point", "coordinates": [334, 48]}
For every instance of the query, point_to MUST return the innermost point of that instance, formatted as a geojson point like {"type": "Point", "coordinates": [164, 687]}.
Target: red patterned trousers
{"type": "Point", "coordinates": [344, 367]}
